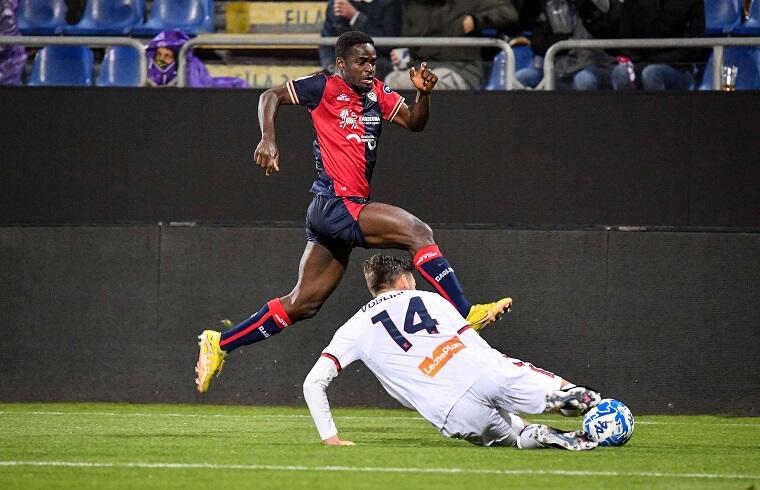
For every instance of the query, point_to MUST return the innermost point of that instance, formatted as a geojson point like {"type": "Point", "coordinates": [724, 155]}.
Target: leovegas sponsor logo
{"type": "Point", "coordinates": [427, 256]}
{"type": "Point", "coordinates": [441, 355]}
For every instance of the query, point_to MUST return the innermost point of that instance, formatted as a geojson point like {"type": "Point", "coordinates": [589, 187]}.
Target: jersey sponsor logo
{"type": "Point", "coordinates": [369, 120]}
{"type": "Point", "coordinates": [348, 118]}
{"type": "Point", "coordinates": [264, 332]}
{"type": "Point", "coordinates": [442, 354]}
{"type": "Point", "coordinates": [443, 274]}
{"type": "Point", "coordinates": [427, 256]}
{"type": "Point", "coordinates": [343, 97]}
{"type": "Point", "coordinates": [372, 96]}
{"type": "Point", "coordinates": [365, 138]}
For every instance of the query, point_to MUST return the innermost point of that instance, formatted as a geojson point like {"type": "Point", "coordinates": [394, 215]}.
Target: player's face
{"type": "Point", "coordinates": [358, 69]}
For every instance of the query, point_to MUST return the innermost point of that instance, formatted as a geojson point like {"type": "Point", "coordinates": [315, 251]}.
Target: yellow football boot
{"type": "Point", "coordinates": [484, 314]}
{"type": "Point", "coordinates": [210, 359]}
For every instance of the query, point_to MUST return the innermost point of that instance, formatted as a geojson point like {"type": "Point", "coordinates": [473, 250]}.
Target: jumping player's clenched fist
{"type": "Point", "coordinates": [423, 79]}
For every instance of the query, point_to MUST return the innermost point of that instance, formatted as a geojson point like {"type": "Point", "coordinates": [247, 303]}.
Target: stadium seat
{"type": "Point", "coordinates": [722, 16]}
{"type": "Point", "coordinates": [62, 65]}
{"type": "Point", "coordinates": [108, 18]}
{"type": "Point", "coordinates": [120, 67]}
{"type": "Point", "coordinates": [751, 26]}
{"type": "Point", "coordinates": [496, 80]}
{"type": "Point", "coordinates": [745, 59]}
{"type": "Point", "coordinates": [192, 16]}
{"type": "Point", "coordinates": [41, 17]}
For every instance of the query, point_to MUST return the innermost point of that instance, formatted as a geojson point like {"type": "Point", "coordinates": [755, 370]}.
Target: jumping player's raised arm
{"type": "Point", "coordinates": [415, 117]}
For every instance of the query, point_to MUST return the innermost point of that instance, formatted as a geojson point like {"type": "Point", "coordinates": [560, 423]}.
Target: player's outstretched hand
{"type": "Point", "coordinates": [423, 79]}
{"type": "Point", "coordinates": [335, 441]}
{"type": "Point", "coordinates": [267, 156]}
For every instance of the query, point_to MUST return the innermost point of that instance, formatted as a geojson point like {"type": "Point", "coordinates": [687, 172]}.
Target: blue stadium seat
{"type": "Point", "coordinates": [120, 67]}
{"type": "Point", "coordinates": [41, 17]}
{"type": "Point", "coordinates": [746, 59]}
{"type": "Point", "coordinates": [751, 26]}
{"type": "Point", "coordinates": [62, 65]}
{"type": "Point", "coordinates": [722, 16]}
{"type": "Point", "coordinates": [192, 16]}
{"type": "Point", "coordinates": [496, 80]}
{"type": "Point", "coordinates": [108, 18]}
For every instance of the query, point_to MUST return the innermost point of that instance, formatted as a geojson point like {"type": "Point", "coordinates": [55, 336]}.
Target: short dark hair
{"type": "Point", "coordinates": [381, 271]}
{"type": "Point", "coordinates": [348, 39]}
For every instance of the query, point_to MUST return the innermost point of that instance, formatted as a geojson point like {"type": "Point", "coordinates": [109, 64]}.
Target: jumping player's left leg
{"type": "Point", "coordinates": [319, 273]}
{"type": "Point", "coordinates": [386, 226]}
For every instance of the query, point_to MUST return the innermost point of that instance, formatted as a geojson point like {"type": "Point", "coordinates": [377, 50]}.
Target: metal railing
{"type": "Point", "coordinates": [98, 42]}
{"type": "Point", "coordinates": [243, 40]}
{"type": "Point", "coordinates": [717, 45]}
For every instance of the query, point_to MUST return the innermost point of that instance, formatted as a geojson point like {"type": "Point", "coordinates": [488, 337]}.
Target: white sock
{"type": "Point", "coordinates": [526, 440]}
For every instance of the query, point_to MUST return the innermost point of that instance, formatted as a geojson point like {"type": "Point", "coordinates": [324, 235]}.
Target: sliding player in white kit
{"type": "Point", "coordinates": [428, 358]}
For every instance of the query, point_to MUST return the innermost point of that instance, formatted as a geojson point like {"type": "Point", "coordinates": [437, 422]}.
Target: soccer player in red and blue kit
{"type": "Point", "coordinates": [347, 110]}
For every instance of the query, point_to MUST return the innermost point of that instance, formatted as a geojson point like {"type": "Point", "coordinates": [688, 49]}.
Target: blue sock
{"type": "Point", "coordinates": [438, 272]}
{"type": "Point", "coordinates": [270, 320]}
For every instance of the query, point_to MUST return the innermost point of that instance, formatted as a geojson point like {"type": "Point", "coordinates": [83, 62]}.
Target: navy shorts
{"type": "Point", "coordinates": [333, 221]}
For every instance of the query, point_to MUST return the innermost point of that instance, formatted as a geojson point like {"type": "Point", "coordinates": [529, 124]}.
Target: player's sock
{"type": "Point", "coordinates": [438, 272]}
{"type": "Point", "coordinates": [527, 438]}
{"type": "Point", "coordinates": [270, 320]}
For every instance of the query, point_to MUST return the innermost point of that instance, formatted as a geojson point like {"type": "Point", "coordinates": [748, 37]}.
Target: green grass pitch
{"type": "Point", "coordinates": [50, 446]}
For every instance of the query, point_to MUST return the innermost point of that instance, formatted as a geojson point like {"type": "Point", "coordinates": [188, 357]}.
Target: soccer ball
{"type": "Point", "coordinates": [610, 423]}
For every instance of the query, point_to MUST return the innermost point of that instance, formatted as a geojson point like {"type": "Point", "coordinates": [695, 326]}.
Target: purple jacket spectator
{"type": "Point", "coordinates": [160, 73]}
{"type": "Point", "coordinates": [12, 58]}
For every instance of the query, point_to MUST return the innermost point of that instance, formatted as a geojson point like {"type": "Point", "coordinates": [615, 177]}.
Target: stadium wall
{"type": "Point", "coordinates": [665, 321]}
{"type": "Point", "coordinates": [81, 156]}
{"type": "Point", "coordinates": [624, 225]}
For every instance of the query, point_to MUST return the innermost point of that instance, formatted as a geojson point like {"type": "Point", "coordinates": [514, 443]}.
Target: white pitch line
{"type": "Point", "coordinates": [303, 416]}
{"type": "Point", "coordinates": [369, 469]}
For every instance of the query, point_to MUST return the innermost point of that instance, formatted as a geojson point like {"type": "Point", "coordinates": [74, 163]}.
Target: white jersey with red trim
{"type": "Point", "coordinates": [418, 346]}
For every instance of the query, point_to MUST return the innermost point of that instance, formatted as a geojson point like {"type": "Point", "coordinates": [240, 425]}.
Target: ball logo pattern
{"type": "Point", "coordinates": [610, 422]}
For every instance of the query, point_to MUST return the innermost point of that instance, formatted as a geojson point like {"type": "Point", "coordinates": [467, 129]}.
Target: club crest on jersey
{"type": "Point", "coordinates": [343, 97]}
{"type": "Point", "coordinates": [348, 119]}
{"type": "Point", "coordinates": [441, 355]}
{"type": "Point", "coordinates": [372, 96]}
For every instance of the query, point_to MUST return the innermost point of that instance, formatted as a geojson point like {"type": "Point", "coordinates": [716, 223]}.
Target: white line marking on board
{"type": "Point", "coordinates": [369, 469]}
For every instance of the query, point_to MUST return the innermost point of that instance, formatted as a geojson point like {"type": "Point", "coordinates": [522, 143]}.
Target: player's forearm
{"type": "Point", "coordinates": [315, 394]}
{"type": "Point", "coordinates": [268, 104]}
{"type": "Point", "coordinates": [419, 112]}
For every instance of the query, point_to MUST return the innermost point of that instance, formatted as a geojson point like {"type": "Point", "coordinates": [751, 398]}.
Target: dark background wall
{"type": "Point", "coordinates": [98, 301]}
{"type": "Point", "coordinates": [518, 159]}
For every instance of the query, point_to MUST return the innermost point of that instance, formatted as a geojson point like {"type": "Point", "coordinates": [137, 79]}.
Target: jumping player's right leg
{"type": "Point", "coordinates": [386, 226]}
{"type": "Point", "coordinates": [319, 273]}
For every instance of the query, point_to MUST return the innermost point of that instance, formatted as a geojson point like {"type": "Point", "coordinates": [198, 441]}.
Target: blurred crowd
{"type": "Point", "coordinates": [533, 24]}
{"type": "Point", "coordinates": [537, 24]}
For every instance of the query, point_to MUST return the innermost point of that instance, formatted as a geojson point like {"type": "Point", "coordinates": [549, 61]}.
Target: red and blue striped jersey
{"type": "Point", "coordinates": [346, 130]}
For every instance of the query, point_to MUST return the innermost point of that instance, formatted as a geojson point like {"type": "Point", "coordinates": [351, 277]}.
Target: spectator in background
{"type": "Point", "coordinates": [666, 68]}
{"type": "Point", "coordinates": [378, 18]}
{"type": "Point", "coordinates": [579, 69]}
{"type": "Point", "coordinates": [162, 53]}
{"type": "Point", "coordinates": [12, 58]}
{"type": "Point", "coordinates": [457, 68]}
